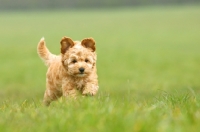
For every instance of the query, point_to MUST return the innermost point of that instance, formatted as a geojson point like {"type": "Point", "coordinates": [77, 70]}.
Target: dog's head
{"type": "Point", "coordinates": [78, 58]}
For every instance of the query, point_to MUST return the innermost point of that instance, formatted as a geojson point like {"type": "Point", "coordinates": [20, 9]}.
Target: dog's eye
{"type": "Point", "coordinates": [86, 60]}
{"type": "Point", "coordinates": [74, 61]}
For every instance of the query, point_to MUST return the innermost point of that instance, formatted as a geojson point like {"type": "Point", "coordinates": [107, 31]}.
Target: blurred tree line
{"type": "Point", "coordinates": [62, 4]}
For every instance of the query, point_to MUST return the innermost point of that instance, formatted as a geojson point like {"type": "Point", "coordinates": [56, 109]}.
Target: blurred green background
{"type": "Point", "coordinates": [148, 64]}
{"type": "Point", "coordinates": [74, 4]}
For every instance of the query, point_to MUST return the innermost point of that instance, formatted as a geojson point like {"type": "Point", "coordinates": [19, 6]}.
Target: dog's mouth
{"type": "Point", "coordinates": [80, 74]}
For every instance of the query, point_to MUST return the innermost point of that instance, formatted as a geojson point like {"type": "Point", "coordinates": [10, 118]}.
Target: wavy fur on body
{"type": "Point", "coordinates": [71, 72]}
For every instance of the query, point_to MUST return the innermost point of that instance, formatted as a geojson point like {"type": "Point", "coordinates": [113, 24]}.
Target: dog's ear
{"type": "Point", "coordinates": [89, 43]}
{"type": "Point", "coordinates": [66, 43]}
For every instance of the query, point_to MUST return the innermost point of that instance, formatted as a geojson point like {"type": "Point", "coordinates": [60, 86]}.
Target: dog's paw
{"type": "Point", "coordinates": [90, 91]}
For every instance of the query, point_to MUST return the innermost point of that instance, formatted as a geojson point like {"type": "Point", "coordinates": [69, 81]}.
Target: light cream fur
{"type": "Point", "coordinates": [71, 72]}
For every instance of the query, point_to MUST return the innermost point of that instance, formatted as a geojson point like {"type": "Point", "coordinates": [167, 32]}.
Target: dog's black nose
{"type": "Point", "coordinates": [81, 69]}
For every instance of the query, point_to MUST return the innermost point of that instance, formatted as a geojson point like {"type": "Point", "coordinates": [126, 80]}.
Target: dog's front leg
{"type": "Point", "coordinates": [69, 90]}
{"type": "Point", "coordinates": [90, 89]}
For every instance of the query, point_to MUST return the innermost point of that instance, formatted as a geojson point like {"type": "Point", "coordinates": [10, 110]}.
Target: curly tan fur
{"type": "Point", "coordinates": [73, 71]}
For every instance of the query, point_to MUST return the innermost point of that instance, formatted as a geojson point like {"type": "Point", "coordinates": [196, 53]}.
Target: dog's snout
{"type": "Point", "coordinates": [81, 69]}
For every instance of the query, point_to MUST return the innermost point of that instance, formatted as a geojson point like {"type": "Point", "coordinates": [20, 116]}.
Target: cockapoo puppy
{"type": "Point", "coordinates": [71, 72]}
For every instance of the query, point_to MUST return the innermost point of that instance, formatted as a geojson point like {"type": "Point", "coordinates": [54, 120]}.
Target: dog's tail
{"type": "Point", "coordinates": [44, 53]}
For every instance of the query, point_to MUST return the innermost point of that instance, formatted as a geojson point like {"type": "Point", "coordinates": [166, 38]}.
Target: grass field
{"type": "Point", "coordinates": [148, 67]}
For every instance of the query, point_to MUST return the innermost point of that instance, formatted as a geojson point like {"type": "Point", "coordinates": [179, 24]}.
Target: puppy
{"type": "Point", "coordinates": [71, 72]}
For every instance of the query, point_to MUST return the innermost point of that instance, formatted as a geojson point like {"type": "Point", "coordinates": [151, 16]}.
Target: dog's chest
{"type": "Point", "coordinates": [80, 83]}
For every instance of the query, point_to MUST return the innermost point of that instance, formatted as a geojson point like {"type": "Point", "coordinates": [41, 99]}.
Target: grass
{"type": "Point", "coordinates": [148, 67]}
